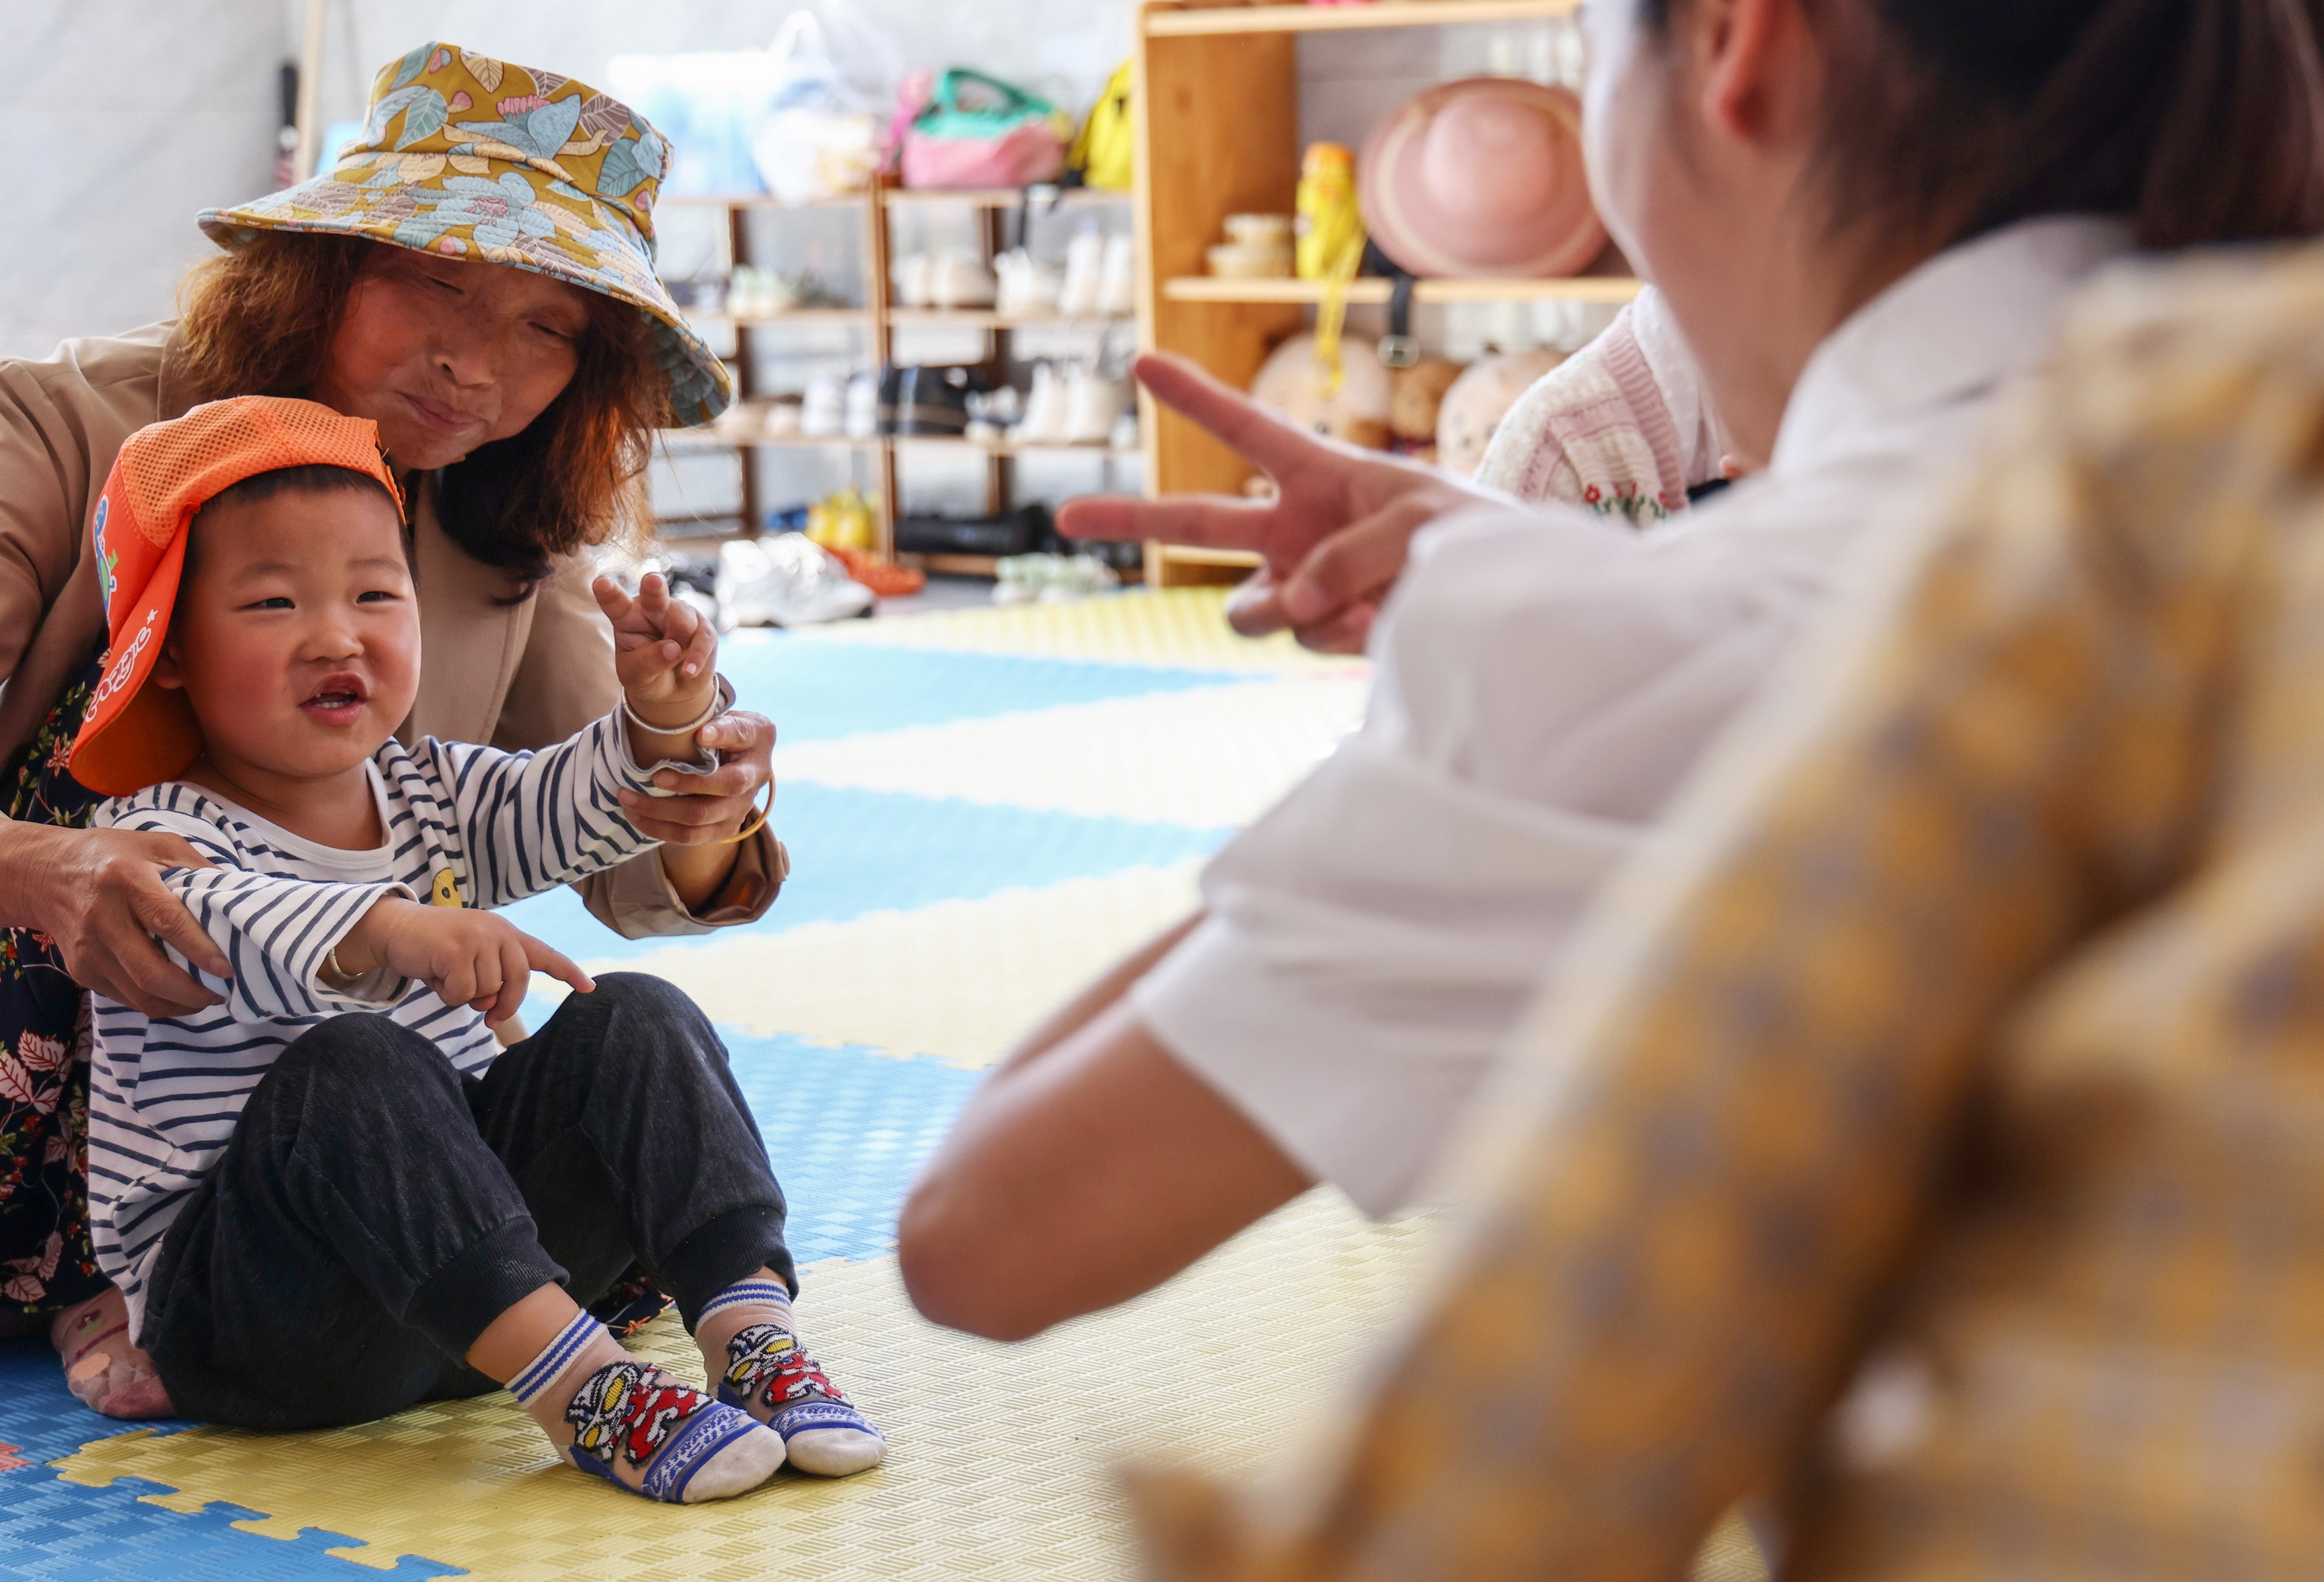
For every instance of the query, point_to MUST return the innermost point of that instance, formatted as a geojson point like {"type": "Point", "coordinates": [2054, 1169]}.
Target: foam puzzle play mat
{"type": "Point", "coordinates": [983, 808]}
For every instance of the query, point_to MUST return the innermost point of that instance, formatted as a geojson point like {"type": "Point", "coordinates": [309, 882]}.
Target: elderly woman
{"type": "Point", "coordinates": [482, 287]}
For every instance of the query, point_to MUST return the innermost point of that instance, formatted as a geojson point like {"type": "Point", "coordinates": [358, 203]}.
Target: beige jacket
{"type": "Point", "coordinates": [517, 675]}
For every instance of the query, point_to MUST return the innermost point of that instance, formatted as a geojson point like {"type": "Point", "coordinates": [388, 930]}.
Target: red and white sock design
{"type": "Point", "coordinates": [750, 1345]}
{"type": "Point", "coordinates": [638, 1428]}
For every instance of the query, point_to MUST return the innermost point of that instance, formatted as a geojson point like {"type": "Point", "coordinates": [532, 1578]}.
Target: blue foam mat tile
{"type": "Point", "coordinates": [847, 1129]}
{"type": "Point", "coordinates": [51, 1530]}
{"type": "Point", "coordinates": [854, 852]}
{"type": "Point", "coordinates": [40, 1417]}
{"type": "Point", "coordinates": [815, 691]}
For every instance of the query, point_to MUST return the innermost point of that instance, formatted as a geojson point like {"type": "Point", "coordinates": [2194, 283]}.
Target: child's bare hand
{"type": "Point", "coordinates": [474, 958]}
{"type": "Point", "coordinates": [665, 653]}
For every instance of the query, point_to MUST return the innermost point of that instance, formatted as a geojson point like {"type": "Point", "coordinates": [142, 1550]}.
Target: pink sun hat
{"type": "Point", "coordinates": [1481, 178]}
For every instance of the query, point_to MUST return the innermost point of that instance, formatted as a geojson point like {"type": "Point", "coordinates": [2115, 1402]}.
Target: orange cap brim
{"type": "Point", "coordinates": [137, 735]}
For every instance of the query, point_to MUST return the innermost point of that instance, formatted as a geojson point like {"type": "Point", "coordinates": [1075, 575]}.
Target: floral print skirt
{"type": "Point", "coordinates": [46, 1262]}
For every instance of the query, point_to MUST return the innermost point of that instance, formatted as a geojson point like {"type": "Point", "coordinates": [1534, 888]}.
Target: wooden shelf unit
{"type": "Point", "coordinates": [753, 201]}
{"type": "Point", "coordinates": [879, 320]}
{"type": "Point", "coordinates": [1216, 110]}
{"type": "Point", "coordinates": [1040, 197]}
{"type": "Point", "coordinates": [1374, 294]}
{"type": "Point", "coordinates": [1176, 21]}
{"type": "Point", "coordinates": [796, 315]}
{"type": "Point", "coordinates": [686, 439]}
{"type": "Point", "coordinates": [985, 318]}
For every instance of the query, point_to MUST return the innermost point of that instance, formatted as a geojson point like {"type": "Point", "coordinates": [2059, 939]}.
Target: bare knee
{"type": "Point", "coordinates": [953, 1259]}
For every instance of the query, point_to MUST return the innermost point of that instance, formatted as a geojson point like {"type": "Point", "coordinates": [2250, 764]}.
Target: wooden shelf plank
{"type": "Point", "coordinates": [686, 439]}
{"type": "Point", "coordinates": [801, 317]}
{"type": "Point", "coordinates": [1016, 450]}
{"type": "Point", "coordinates": [985, 566]}
{"type": "Point", "coordinates": [984, 318]}
{"type": "Point", "coordinates": [1001, 196]}
{"type": "Point", "coordinates": [1195, 555]}
{"type": "Point", "coordinates": [1375, 292]}
{"type": "Point", "coordinates": [1304, 19]}
{"type": "Point", "coordinates": [954, 564]}
{"type": "Point", "coordinates": [705, 439]}
{"type": "Point", "coordinates": [752, 201]}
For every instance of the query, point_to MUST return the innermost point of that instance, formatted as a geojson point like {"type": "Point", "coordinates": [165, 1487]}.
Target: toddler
{"type": "Point", "coordinates": [335, 1194]}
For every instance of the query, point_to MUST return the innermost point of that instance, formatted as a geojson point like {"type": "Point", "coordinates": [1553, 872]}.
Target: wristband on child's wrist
{"type": "Point", "coordinates": [720, 702]}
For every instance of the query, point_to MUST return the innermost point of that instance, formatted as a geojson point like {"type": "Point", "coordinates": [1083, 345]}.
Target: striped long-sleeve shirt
{"type": "Point", "coordinates": [464, 825]}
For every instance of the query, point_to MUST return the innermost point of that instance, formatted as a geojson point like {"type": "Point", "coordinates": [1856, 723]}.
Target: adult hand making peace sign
{"type": "Point", "coordinates": [1334, 535]}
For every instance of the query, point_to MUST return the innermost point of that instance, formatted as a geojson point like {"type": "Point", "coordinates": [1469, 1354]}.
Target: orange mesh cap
{"type": "Point", "coordinates": [136, 735]}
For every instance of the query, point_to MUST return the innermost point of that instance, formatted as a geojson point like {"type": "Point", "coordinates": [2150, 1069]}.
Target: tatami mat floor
{"type": "Point", "coordinates": [983, 807]}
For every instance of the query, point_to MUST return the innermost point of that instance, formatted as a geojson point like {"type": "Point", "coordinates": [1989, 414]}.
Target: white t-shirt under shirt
{"type": "Point", "coordinates": [466, 825]}
{"type": "Point", "coordinates": [1544, 681]}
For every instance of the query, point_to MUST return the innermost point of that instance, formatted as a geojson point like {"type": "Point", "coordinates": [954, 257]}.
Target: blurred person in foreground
{"type": "Point", "coordinates": [1868, 217]}
{"type": "Point", "coordinates": [1931, 1129]}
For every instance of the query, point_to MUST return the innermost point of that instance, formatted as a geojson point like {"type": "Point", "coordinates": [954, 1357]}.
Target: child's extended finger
{"type": "Point", "coordinates": [611, 599]}
{"type": "Point", "coordinates": [653, 600]}
{"type": "Point", "coordinates": [701, 644]}
{"type": "Point", "coordinates": [540, 957]}
{"type": "Point", "coordinates": [516, 977]}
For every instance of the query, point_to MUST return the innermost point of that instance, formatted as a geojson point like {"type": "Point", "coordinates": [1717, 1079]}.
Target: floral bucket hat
{"type": "Point", "coordinates": [475, 158]}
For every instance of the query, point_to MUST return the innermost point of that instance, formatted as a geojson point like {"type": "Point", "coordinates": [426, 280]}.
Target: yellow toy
{"type": "Point", "coordinates": [1330, 245]}
{"type": "Point", "coordinates": [843, 521]}
{"type": "Point", "coordinates": [1331, 227]}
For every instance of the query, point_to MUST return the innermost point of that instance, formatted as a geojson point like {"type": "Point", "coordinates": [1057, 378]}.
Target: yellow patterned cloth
{"type": "Point", "coordinates": [1964, 1046]}
{"type": "Point", "coordinates": [475, 158]}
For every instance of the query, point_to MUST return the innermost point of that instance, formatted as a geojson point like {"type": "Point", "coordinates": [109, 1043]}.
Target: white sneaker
{"type": "Point", "coordinates": [823, 414]}
{"type": "Point", "coordinates": [1083, 292]}
{"type": "Point", "coordinates": [1117, 290]}
{"type": "Point", "coordinates": [1092, 404]}
{"type": "Point", "coordinates": [960, 279]}
{"type": "Point", "coordinates": [1050, 579]}
{"type": "Point", "coordinates": [1029, 289]}
{"type": "Point", "coordinates": [916, 280]}
{"type": "Point", "coordinates": [862, 410]}
{"type": "Point", "coordinates": [784, 579]}
{"type": "Point", "coordinates": [1046, 417]}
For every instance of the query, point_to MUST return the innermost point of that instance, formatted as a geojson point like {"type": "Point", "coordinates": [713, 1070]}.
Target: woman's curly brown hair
{"type": "Point", "coordinates": [259, 321]}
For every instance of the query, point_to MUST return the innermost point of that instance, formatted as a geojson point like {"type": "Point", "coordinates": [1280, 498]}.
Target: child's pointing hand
{"type": "Point", "coordinates": [476, 959]}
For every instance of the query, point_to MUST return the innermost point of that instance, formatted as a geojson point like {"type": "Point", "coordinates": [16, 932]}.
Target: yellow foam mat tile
{"type": "Point", "coordinates": [962, 980]}
{"type": "Point", "coordinates": [998, 1465]}
{"type": "Point", "coordinates": [1212, 756]}
{"type": "Point", "coordinates": [1143, 626]}
{"type": "Point", "coordinates": [1000, 1459]}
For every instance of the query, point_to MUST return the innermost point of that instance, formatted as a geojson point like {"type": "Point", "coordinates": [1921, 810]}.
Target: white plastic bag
{"type": "Point", "coordinates": [833, 74]}
{"type": "Point", "coordinates": [708, 106]}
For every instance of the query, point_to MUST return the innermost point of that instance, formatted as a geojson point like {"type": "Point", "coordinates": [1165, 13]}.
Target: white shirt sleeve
{"type": "Point", "coordinates": [1542, 687]}
{"type": "Point", "coordinates": [277, 933]}
{"type": "Point", "coordinates": [532, 821]}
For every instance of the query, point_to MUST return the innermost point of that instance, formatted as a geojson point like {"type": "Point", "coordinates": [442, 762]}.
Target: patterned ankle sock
{"type": "Point", "coordinates": [683, 1447]}
{"type": "Point", "coordinates": [750, 1345]}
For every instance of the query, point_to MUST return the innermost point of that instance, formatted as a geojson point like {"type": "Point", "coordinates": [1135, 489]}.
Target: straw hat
{"type": "Point", "coordinates": [475, 158]}
{"type": "Point", "coordinates": [1481, 178]}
